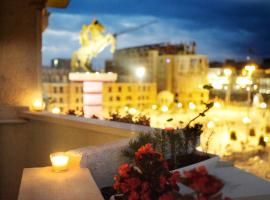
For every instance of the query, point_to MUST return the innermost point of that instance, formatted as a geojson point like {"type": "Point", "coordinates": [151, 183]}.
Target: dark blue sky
{"type": "Point", "coordinates": [222, 28]}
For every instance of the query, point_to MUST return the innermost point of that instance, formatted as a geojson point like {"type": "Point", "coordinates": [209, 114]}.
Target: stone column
{"type": "Point", "coordinates": [20, 52]}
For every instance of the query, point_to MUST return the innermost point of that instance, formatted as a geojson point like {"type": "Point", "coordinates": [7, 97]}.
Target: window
{"type": "Point", "coordinates": [109, 89]}
{"type": "Point", "coordinates": [129, 98]}
{"type": "Point", "coordinates": [118, 98]}
{"type": "Point", "coordinates": [129, 88]}
{"type": "Point", "coordinates": [77, 100]}
{"type": "Point", "coordinates": [77, 89]}
{"type": "Point", "coordinates": [61, 100]}
{"type": "Point", "coordinates": [61, 89]}
{"type": "Point", "coordinates": [54, 89]}
{"type": "Point", "coordinates": [119, 89]}
{"type": "Point", "coordinates": [111, 98]}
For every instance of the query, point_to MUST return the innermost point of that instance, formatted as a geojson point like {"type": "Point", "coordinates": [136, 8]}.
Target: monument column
{"type": "Point", "coordinates": [20, 52]}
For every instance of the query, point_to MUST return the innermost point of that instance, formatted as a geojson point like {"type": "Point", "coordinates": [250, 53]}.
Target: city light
{"type": "Point", "coordinates": [246, 120]}
{"type": "Point", "coordinates": [227, 72]}
{"type": "Point", "coordinates": [191, 106]}
{"type": "Point", "coordinates": [266, 139]}
{"type": "Point", "coordinates": [126, 108]}
{"type": "Point", "coordinates": [250, 69]}
{"type": "Point", "coordinates": [164, 108]}
{"type": "Point", "coordinates": [132, 111]}
{"type": "Point", "coordinates": [56, 110]}
{"type": "Point", "coordinates": [154, 107]}
{"type": "Point", "coordinates": [179, 105]}
{"type": "Point", "coordinates": [263, 105]}
{"type": "Point", "coordinates": [140, 72]}
{"type": "Point", "coordinates": [210, 124]}
{"type": "Point", "coordinates": [217, 105]}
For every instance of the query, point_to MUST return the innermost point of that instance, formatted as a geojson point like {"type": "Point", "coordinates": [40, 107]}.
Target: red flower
{"type": "Point", "coordinates": [201, 170]}
{"type": "Point", "coordinates": [144, 149]}
{"type": "Point", "coordinates": [145, 186]}
{"type": "Point", "coordinates": [162, 181]}
{"type": "Point", "coordinates": [116, 184]}
{"type": "Point", "coordinates": [124, 187]}
{"type": "Point", "coordinates": [175, 178]}
{"type": "Point", "coordinates": [166, 196]}
{"type": "Point", "coordinates": [169, 129]}
{"type": "Point", "coordinates": [133, 182]}
{"type": "Point", "coordinates": [133, 196]}
{"type": "Point", "coordinates": [123, 170]}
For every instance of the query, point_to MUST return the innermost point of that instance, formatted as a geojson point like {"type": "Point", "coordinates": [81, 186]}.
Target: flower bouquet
{"type": "Point", "coordinates": [149, 178]}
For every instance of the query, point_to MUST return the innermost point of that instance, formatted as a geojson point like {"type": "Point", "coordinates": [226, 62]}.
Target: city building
{"type": "Point", "coordinates": [67, 95]}
{"type": "Point", "coordinates": [173, 67]}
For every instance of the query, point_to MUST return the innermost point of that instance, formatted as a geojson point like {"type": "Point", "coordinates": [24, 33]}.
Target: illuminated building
{"type": "Point", "coordinates": [58, 91]}
{"type": "Point", "coordinates": [173, 67]}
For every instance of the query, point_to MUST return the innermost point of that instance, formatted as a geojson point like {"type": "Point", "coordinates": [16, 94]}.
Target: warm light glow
{"type": "Point", "coordinates": [266, 139]}
{"type": "Point", "coordinates": [132, 111]}
{"type": "Point", "coordinates": [192, 106]}
{"type": "Point", "coordinates": [255, 87]}
{"type": "Point", "coordinates": [227, 72]}
{"type": "Point", "coordinates": [38, 105]}
{"type": "Point", "coordinates": [126, 108]}
{"type": "Point", "coordinates": [263, 105]}
{"type": "Point", "coordinates": [217, 105]}
{"type": "Point", "coordinates": [56, 110]}
{"type": "Point", "coordinates": [154, 107]}
{"type": "Point", "coordinates": [140, 72]}
{"type": "Point", "coordinates": [250, 69]}
{"type": "Point", "coordinates": [59, 161]}
{"type": "Point", "coordinates": [246, 120]}
{"type": "Point", "coordinates": [164, 108]}
{"type": "Point", "coordinates": [210, 124]}
{"type": "Point", "coordinates": [199, 148]}
{"type": "Point", "coordinates": [179, 105]}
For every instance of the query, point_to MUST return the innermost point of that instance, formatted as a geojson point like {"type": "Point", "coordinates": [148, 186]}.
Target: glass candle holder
{"type": "Point", "coordinates": [59, 161]}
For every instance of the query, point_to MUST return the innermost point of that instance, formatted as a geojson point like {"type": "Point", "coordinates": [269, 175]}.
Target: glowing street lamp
{"type": "Point", "coordinates": [227, 72]}
{"type": "Point", "coordinates": [140, 72]}
{"type": "Point", "coordinates": [246, 120]}
{"type": "Point", "coordinates": [164, 108]}
{"type": "Point", "coordinates": [263, 105]}
{"type": "Point", "coordinates": [154, 107]}
{"type": "Point", "coordinates": [191, 106]}
{"type": "Point", "coordinates": [250, 69]}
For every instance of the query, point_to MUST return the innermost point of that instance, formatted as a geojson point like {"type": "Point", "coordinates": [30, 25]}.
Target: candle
{"type": "Point", "coordinates": [38, 106]}
{"type": "Point", "coordinates": [59, 161]}
{"type": "Point", "coordinates": [56, 110]}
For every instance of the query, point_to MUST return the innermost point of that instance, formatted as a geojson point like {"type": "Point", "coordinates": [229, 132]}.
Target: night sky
{"type": "Point", "coordinates": [222, 28]}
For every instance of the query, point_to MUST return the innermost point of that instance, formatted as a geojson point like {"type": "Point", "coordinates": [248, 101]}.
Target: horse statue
{"type": "Point", "coordinates": [91, 46]}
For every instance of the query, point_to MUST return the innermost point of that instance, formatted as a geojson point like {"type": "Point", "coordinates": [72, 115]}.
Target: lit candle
{"type": "Point", "coordinates": [59, 161]}
{"type": "Point", "coordinates": [56, 110]}
{"type": "Point", "coordinates": [38, 106]}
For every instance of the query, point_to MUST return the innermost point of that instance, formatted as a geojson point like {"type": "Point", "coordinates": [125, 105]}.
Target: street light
{"type": "Point", "coordinates": [140, 72]}
{"type": "Point", "coordinates": [228, 73]}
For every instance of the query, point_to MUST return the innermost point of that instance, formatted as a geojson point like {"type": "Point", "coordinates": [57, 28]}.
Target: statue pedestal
{"type": "Point", "coordinates": [92, 90]}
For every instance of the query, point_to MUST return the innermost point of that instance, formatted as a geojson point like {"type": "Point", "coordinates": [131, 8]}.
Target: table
{"type": "Point", "coordinates": [44, 184]}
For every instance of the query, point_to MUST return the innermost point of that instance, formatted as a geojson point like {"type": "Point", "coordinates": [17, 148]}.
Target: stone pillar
{"type": "Point", "coordinates": [20, 52]}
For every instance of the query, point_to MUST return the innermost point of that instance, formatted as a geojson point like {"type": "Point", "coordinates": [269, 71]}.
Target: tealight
{"type": "Point", "coordinates": [59, 161]}
{"type": "Point", "coordinates": [56, 110]}
{"type": "Point", "coordinates": [38, 106]}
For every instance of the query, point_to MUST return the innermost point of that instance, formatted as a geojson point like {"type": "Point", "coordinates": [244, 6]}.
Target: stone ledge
{"type": "Point", "coordinates": [96, 125]}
